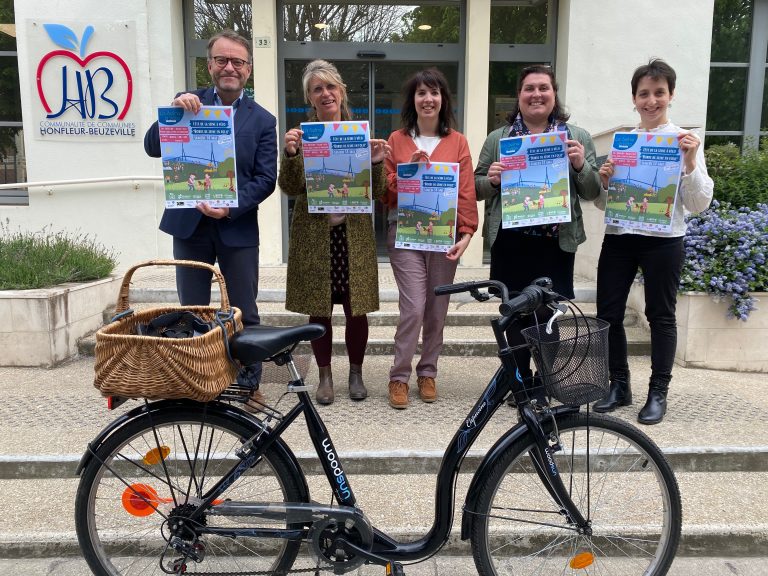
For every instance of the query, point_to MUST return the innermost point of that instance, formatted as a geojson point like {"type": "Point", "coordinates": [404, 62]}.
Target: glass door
{"type": "Point", "coordinates": [374, 90]}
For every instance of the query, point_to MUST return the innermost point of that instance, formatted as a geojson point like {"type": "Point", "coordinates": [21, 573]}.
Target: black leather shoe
{"type": "Point", "coordinates": [619, 394]}
{"type": "Point", "coordinates": [655, 407]}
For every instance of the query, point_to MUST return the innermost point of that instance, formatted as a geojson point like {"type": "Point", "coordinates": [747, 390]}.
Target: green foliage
{"type": "Point", "coordinates": [740, 179]}
{"type": "Point", "coordinates": [30, 260]}
{"type": "Point", "coordinates": [444, 21]}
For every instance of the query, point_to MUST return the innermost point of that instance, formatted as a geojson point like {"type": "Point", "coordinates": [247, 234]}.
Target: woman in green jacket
{"type": "Point", "coordinates": [520, 255]}
{"type": "Point", "coordinates": [331, 257]}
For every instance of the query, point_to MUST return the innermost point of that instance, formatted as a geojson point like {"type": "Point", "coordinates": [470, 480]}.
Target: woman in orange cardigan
{"type": "Point", "coordinates": [427, 135]}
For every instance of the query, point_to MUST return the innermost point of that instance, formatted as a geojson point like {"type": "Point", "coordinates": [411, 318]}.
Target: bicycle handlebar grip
{"type": "Point", "coordinates": [529, 299]}
{"type": "Point", "coordinates": [454, 288]}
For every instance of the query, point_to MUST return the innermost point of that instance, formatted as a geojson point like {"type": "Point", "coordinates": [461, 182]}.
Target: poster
{"type": "Point", "coordinates": [535, 187]}
{"type": "Point", "coordinates": [427, 196]}
{"type": "Point", "coordinates": [642, 191]}
{"type": "Point", "coordinates": [198, 153]}
{"type": "Point", "coordinates": [337, 166]}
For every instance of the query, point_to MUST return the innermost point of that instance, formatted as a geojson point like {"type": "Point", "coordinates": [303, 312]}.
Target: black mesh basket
{"type": "Point", "coordinates": [573, 360]}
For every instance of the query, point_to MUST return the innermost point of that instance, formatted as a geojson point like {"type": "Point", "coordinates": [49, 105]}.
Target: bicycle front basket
{"type": "Point", "coordinates": [573, 360]}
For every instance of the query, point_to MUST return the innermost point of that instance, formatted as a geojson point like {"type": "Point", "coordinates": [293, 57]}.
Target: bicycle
{"type": "Point", "coordinates": [180, 487]}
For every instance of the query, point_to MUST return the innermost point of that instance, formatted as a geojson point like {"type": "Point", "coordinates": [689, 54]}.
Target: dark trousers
{"type": "Point", "coordinates": [355, 336]}
{"type": "Point", "coordinates": [517, 259]}
{"type": "Point", "coordinates": [239, 266]}
{"type": "Point", "coordinates": [661, 260]}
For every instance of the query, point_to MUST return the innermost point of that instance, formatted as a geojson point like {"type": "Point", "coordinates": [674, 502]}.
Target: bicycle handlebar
{"type": "Point", "coordinates": [537, 293]}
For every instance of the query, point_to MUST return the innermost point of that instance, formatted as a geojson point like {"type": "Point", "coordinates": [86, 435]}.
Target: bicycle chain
{"type": "Point", "coordinates": [267, 572]}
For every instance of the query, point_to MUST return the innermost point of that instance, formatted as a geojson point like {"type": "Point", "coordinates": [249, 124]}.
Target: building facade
{"type": "Point", "coordinates": [83, 127]}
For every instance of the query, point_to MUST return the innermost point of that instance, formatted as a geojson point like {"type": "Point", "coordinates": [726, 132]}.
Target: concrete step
{"type": "Point", "coordinates": [714, 505]}
{"type": "Point", "coordinates": [466, 333]}
{"type": "Point", "coordinates": [459, 313]}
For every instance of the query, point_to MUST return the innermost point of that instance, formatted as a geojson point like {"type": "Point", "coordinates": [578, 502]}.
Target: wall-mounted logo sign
{"type": "Point", "coordinates": [83, 80]}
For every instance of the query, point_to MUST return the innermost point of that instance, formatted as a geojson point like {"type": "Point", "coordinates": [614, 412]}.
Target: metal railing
{"type": "Point", "coordinates": [17, 194]}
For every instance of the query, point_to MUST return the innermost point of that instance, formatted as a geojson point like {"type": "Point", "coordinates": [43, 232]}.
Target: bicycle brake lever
{"type": "Point", "coordinates": [560, 310]}
{"type": "Point", "coordinates": [479, 296]}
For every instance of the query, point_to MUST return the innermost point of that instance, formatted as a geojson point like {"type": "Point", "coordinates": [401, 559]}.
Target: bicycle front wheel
{"type": "Point", "coordinates": [616, 476]}
{"type": "Point", "coordinates": [156, 468]}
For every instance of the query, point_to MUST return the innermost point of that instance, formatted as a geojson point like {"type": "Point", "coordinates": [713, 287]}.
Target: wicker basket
{"type": "Point", "coordinates": [134, 366]}
{"type": "Point", "coordinates": [573, 360]}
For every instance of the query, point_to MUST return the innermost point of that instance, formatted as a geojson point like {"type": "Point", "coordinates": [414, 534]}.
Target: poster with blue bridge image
{"type": "Point", "coordinates": [642, 191]}
{"type": "Point", "coordinates": [337, 167]}
{"type": "Point", "coordinates": [198, 154]}
{"type": "Point", "coordinates": [535, 188]}
{"type": "Point", "coordinates": [427, 195]}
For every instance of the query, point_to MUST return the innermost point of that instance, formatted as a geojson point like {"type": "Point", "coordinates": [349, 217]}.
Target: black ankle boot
{"type": "Point", "coordinates": [656, 404]}
{"type": "Point", "coordinates": [620, 393]}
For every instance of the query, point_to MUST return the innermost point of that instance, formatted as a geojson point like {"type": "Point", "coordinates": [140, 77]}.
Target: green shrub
{"type": "Point", "coordinates": [43, 259]}
{"type": "Point", "coordinates": [741, 180]}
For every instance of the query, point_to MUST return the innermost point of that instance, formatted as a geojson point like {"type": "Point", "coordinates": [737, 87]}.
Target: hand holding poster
{"type": "Point", "coordinates": [427, 195]}
{"type": "Point", "coordinates": [535, 188]}
{"type": "Point", "coordinates": [642, 191]}
{"type": "Point", "coordinates": [198, 153]}
{"type": "Point", "coordinates": [337, 166]}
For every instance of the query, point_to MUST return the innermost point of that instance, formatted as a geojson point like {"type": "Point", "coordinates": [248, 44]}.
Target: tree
{"type": "Point", "coordinates": [343, 22]}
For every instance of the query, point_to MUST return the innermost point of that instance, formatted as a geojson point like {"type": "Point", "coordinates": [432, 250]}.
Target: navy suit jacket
{"type": "Point", "coordinates": [256, 151]}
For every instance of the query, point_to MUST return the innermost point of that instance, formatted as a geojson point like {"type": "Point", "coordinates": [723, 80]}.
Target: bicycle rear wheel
{"type": "Point", "coordinates": [617, 477]}
{"type": "Point", "coordinates": [157, 466]}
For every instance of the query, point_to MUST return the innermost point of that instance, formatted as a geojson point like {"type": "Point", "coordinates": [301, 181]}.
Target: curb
{"type": "Point", "coordinates": [359, 463]}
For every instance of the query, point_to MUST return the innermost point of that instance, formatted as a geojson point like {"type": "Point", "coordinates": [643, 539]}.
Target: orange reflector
{"type": "Point", "coordinates": [139, 499]}
{"type": "Point", "coordinates": [582, 560]}
{"type": "Point", "coordinates": [156, 455]}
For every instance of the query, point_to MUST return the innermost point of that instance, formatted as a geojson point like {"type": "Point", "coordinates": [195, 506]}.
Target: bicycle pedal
{"type": "Point", "coordinates": [395, 569]}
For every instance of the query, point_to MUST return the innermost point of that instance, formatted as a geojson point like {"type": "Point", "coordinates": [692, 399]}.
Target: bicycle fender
{"type": "Point", "coordinates": [221, 408]}
{"type": "Point", "coordinates": [494, 453]}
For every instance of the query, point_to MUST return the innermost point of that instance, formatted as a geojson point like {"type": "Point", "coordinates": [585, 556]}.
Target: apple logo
{"type": "Point", "coordinates": [92, 85]}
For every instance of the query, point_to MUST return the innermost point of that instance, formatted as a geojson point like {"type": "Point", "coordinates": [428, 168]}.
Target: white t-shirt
{"type": "Point", "coordinates": [426, 143]}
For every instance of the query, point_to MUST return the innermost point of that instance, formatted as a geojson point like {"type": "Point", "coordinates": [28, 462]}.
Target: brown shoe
{"type": "Point", "coordinates": [255, 402]}
{"type": "Point", "coordinates": [324, 394]}
{"type": "Point", "coordinates": [427, 389]}
{"type": "Point", "coordinates": [398, 394]}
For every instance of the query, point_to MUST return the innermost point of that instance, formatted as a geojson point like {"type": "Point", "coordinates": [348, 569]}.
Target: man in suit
{"type": "Point", "coordinates": [229, 235]}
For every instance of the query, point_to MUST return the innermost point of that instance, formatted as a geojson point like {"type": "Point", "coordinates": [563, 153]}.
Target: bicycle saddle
{"type": "Point", "coordinates": [260, 343]}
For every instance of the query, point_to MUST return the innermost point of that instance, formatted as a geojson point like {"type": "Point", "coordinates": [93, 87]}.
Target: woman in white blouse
{"type": "Point", "coordinates": [658, 254]}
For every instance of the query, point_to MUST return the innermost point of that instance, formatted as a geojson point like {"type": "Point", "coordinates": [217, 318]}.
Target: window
{"type": "Point", "coordinates": [377, 22]}
{"type": "Point", "coordinates": [737, 107]}
{"type": "Point", "coordinates": [12, 163]}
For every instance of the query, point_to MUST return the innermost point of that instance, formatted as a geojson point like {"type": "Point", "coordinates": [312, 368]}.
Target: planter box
{"type": "Point", "coordinates": [708, 338]}
{"type": "Point", "coordinates": [42, 327]}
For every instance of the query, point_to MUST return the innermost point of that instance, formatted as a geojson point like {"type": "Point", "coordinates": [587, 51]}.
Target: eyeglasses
{"type": "Point", "coordinates": [221, 62]}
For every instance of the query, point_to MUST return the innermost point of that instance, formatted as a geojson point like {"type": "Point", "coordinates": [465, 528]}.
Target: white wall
{"type": "Point", "coordinates": [119, 215]}
{"type": "Point", "coordinates": [599, 45]}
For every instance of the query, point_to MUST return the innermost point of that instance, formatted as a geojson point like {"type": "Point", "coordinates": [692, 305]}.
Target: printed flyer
{"type": "Point", "coordinates": [642, 191]}
{"type": "Point", "coordinates": [337, 166]}
{"type": "Point", "coordinates": [427, 196]}
{"type": "Point", "coordinates": [535, 188]}
{"type": "Point", "coordinates": [198, 153]}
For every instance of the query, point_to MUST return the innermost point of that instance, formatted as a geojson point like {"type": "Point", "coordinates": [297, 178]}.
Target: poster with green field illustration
{"type": "Point", "coordinates": [427, 196]}
{"type": "Point", "coordinates": [337, 166]}
{"type": "Point", "coordinates": [642, 191]}
{"type": "Point", "coordinates": [198, 153]}
{"type": "Point", "coordinates": [535, 188]}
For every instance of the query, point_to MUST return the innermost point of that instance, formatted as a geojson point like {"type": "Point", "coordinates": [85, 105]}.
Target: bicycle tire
{"type": "Point", "coordinates": [628, 491]}
{"type": "Point", "coordinates": [120, 537]}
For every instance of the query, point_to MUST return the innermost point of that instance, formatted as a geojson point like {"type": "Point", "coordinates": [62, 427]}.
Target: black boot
{"type": "Point", "coordinates": [620, 393]}
{"type": "Point", "coordinates": [656, 404]}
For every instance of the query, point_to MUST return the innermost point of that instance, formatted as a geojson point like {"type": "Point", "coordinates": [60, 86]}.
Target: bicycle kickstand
{"type": "Point", "coordinates": [395, 569]}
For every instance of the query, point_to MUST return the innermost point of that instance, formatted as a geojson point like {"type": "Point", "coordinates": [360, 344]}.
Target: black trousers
{"type": "Point", "coordinates": [239, 266]}
{"type": "Point", "coordinates": [661, 260]}
{"type": "Point", "coordinates": [518, 259]}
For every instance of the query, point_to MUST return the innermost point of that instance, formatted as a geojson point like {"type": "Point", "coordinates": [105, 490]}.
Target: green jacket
{"type": "Point", "coordinates": [584, 184]}
{"type": "Point", "coordinates": [308, 289]}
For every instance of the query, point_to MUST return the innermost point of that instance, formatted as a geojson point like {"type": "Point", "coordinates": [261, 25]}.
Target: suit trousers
{"type": "Point", "coordinates": [239, 266]}
{"type": "Point", "coordinates": [661, 260]}
{"type": "Point", "coordinates": [417, 273]}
